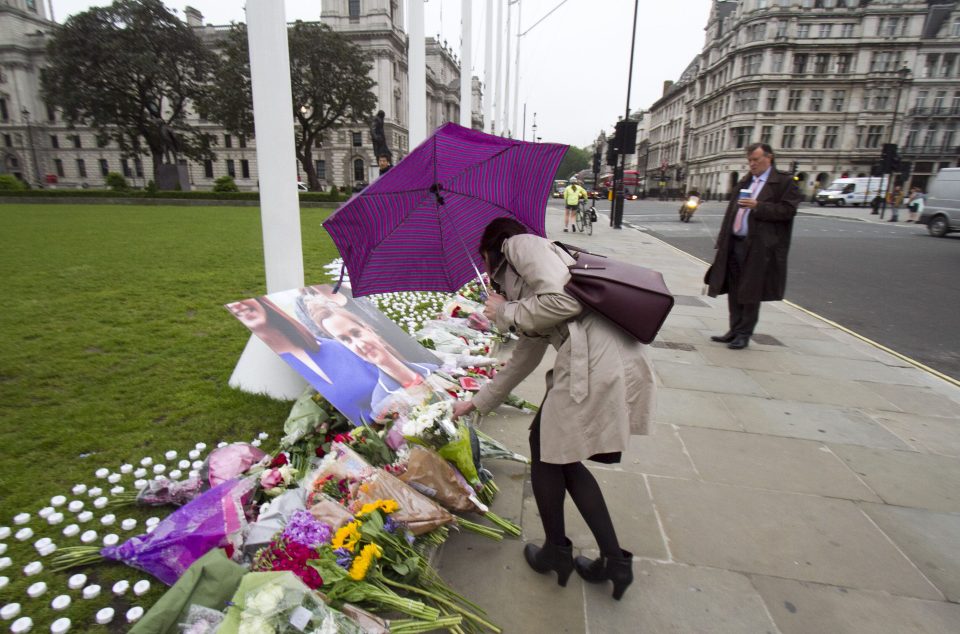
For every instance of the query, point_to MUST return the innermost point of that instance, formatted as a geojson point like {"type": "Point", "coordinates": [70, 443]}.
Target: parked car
{"type": "Point", "coordinates": [941, 208]}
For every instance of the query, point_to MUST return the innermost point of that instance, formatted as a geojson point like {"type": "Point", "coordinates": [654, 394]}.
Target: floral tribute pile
{"type": "Point", "coordinates": [332, 531]}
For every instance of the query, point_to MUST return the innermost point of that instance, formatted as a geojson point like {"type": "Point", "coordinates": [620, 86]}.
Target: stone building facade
{"type": "Point", "coordinates": [39, 147]}
{"type": "Point", "coordinates": [825, 82]}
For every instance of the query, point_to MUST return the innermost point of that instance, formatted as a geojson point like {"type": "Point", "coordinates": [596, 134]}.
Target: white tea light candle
{"type": "Point", "coordinates": [9, 611]}
{"type": "Point", "coordinates": [36, 589]}
{"type": "Point", "coordinates": [61, 602]}
{"type": "Point", "coordinates": [141, 587]}
{"type": "Point", "coordinates": [170, 455]}
{"type": "Point", "coordinates": [60, 626]}
{"type": "Point", "coordinates": [100, 502]}
{"type": "Point", "coordinates": [24, 534]}
{"type": "Point", "coordinates": [77, 581]}
{"type": "Point", "coordinates": [33, 568]}
{"type": "Point", "coordinates": [139, 473]}
{"type": "Point", "coordinates": [86, 516]}
{"type": "Point", "coordinates": [128, 524]}
{"type": "Point", "coordinates": [70, 530]}
{"type": "Point", "coordinates": [102, 472]}
{"type": "Point", "coordinates": [146, 462]}
{"type": "Point", "coordinates": [120, 587]}
{"type": "Point", "coordinates": [104, 616]}
{"type": "Point", "coordinates": [111, 539]}
{"type": "Point", "coordinates": [113, 478]}
{"type": "Point", "coordinates": [108, 519]}
{"type": "Point", "coordinates": [88, 536]}
{"type": "Point", "coordinates": [126, 468]}
{"type": "Point", "coordinates": [94, 492]}
{"type": "Point", "coordinates": [21, 518]}
{"type": "Point", "coordinates": [55, 518]}
{"type": "Point", "coordinates": [75, 506]}
{"type": "Point", "coordinates": [21, 625]}
{"type": "Point", "coordinates": [134, 614]}
{"type": "Point", "coordinates": [91, 591]}
{"type": "Point", "coordinates": [45, 512]}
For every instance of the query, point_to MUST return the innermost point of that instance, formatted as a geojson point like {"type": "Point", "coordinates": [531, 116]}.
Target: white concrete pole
{"type": "Point", "coordinates": [259, 369]}
{"type": "Point", "coordinates": [518, 133]}
{"type": "Point", "coordinates": [497, 120]}
{"type": "Point", "coordinates": [417, 75]}
{"type": "Point", "coordinates": [505, 127]}
{"type": "Point", "coordinates": [488, 70]}
{"type": "Point", "coordinates": [466, 63]}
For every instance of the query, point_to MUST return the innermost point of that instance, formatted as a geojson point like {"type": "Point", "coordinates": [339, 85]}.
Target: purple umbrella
{"type": "Point", "coordinates": [418, 226]}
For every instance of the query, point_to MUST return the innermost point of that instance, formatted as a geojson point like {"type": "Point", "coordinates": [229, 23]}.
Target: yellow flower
{"type": "Point", "coordinates": [347, 537]}
{"type": "Point", "coordinates": [361, 565]}
{"type": "Point", "coordinates": [387, 506]}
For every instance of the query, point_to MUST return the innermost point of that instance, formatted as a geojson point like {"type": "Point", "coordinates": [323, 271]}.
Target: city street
{"type": "Point", "coordinates": [892, 283]}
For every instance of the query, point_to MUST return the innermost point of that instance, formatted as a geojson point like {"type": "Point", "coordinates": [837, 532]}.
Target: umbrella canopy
{"type": "Point", "coordinates": [418, 226]}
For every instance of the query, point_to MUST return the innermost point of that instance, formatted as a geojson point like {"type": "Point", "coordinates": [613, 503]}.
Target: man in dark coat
{"type": "Point", "coordinates": [751, 261]}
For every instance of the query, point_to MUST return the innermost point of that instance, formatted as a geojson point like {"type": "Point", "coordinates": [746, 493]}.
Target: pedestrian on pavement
{"type": "Point", "coordinates": [751, 261]}
{"type": "Point", "coordinates": [571, 197]}
{"type": "Point", "coordinates": [600, 391]}
{"type": "Point", "coordinates": [894, 199]}
{"type": "Point", "coordinates": [875, 204]}
{"type": "Point", "coordinates": [914, 204]}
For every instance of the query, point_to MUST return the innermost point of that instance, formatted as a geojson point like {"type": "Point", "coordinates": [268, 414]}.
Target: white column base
{"type": "Point", "coordinates": [261, 371]}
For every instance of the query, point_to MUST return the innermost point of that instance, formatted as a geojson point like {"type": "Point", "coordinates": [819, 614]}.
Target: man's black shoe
{"type": "Point", "coordinates": [727, 338]}
{"type": "Point", "coordinates": [739, 342]}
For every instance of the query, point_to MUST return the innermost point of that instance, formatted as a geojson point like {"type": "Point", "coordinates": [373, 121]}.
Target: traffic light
{"type": "Point", "coordinates": [596, 162]}
{"type": "Point", "coordinates": [793, 167]}
{"type": "Point", "coordinates": [611, 152]}
{"type": "Point", "coordinates": [625, 137]}
{"type": "Point", "coordinates": [876, 169]}
{"type": "Point", "coordinates": [888, 156]}
{"type": "Point", "coordinates": [905, 168]}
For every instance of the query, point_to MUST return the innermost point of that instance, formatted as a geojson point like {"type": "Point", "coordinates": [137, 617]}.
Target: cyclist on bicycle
{"type": "Point", "coordinates": [571, 197]}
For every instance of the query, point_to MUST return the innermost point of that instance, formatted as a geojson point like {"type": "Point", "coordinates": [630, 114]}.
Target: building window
{"type": "Point", "coordinates": [244, 168]}
{"type": "Point", "coordinates": [929, 139]}
{"type": "Point", "coordinates": [751, 64]}
{"type": "Point", "coordinates": [786, 141]}
{"type": "Point", "coordinates": [138, 168]}
{"type": "Point", "coordinates": [816, 101]}
{"type": "Point", "coordinates": [766, 134]}
{"type": "Point", "coordinates": [826, 29]}
{"type": "Point", "coordinates": [839, 96]}
{"type": "Point", "coordinates": [58, 167]}
{"type": "Point", "coordinates": [846, 29]}
{"type": "Point", "coordinates": [51, 113]}
{"type": "Point", "coordinates": [955, 29]}
{"type": "Point", "coordinates": [821, 63]}
{"type": "Point", "coordinates": [746, 101]}
{"type": "Point", "coordinates": [793, 102]}
{"type": "Point", "coordinates": [81, 168]}
{"type": "Point", "coordinates": [321, 168]}
{"type": "Point", "coordinates": [843, 63]}
{"type": "Point", "coordinates": [32, 5]}
{"type": "Point", "coordinates": [358, 170]}
{"type": "Point", "coordinates": [881, 98]}
{"type": "Point", "coordinates": [357, 138]}
{"type": "Point", "coordinates": [912, 136]}
{"type": "Point", "coordinates": [125, 166]}
{"type": "Point", "coordinates": [227, 140]}
{"type": "Point", "coordinates": [803, 31]}
{"type": "Point", "coordinates": [54, 141]}
{"type": "Point", "coordinates": [874, 133]}
{"type": "Point", "coordinates": [772, 100]}
{"type": "Point", "coordinates": [782, 28]}
{"type": "Point", "coordinates": [956, 102]}
{"type": "Point", "coordinates": [7, 140]}
{"type": "Point", "coordinates": [809, 136]}
{"type": "Point", "coordinates": [948, 134]}
{"type": "Point", "coordinates": [938, 101]}
{"type": "Point", "coordinates": [886, 61]}
{"type": "Point", "coordinates": [354, 9]}
{"type": "Point", "coordinates": [76, 141]}
{"type": "Point", "coordinates": [231, 169]}
{"type": "Point", "coordinates": [242, 140]}
{"type": "Point", "coordinates": [948, 64]}
{"type": "Point", "coordinates": [4, 112]}
{"type": "Point", "coordinates": [830, 137]}
{"type": "Point", "coordinates": [208, 169]}
{"type": "Point", "coordinates": [921, 99]}
{"type": "Point", "coordinates": [799, 63]}
{"type": "Point", "coordinates": [104, 167]}
{"type": "Point", "coordinates": [777, 65]}
{"type": "Point", "coordinates": [741, 136]}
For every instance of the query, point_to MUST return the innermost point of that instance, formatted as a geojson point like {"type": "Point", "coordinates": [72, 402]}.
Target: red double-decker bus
{"type": "Point", "coordinates": [631, 183]}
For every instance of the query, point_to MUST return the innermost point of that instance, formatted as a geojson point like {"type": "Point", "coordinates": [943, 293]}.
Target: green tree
{"type": "Point", "coordinates": [330, 81]}
{"type": "Point", "coordinates": [574, 160]}
{"type": "Point", "coordinates": [10, 183]}
{"type": "Point", "coordinates": [225, 184]}
{"type": "Point", "coordinates": [117, 182]}
{"type": "Point", "coordinates": [130, 70]}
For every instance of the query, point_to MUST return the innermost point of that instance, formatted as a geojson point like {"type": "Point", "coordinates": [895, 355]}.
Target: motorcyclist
{"type": "Point", "coordinates": [690, 205]}
{"type": "Point", "coordinates": [571, 198]}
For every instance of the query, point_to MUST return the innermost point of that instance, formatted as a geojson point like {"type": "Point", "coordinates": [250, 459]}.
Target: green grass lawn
{"type": "Point", "coordinates": [114, 345]}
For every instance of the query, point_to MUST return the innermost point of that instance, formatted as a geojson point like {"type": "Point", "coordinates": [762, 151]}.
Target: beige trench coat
{"type": "Point", "coordinates": [601, 389]}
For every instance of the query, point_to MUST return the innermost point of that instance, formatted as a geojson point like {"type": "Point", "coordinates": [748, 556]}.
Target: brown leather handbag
{"type": "Point", "coordinates": [633, 297]}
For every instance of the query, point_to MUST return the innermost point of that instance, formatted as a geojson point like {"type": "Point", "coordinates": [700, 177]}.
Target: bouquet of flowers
{"type": "Point", "coordinates": [433, 426]}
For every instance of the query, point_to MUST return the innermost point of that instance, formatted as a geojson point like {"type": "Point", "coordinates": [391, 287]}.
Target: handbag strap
{"type": "Point", "coordinates": [572, 251]}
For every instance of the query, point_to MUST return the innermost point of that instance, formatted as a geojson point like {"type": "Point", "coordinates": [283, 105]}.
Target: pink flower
{"type": "Point", "coordinates": [271, 478]}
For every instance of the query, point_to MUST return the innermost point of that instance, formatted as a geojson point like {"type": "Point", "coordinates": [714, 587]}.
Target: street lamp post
{"type": "Point", "coordinates": [32, 149]}
{"type": "Point", "coordinates": [903, 76]}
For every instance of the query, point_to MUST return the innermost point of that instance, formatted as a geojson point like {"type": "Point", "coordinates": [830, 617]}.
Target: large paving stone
{"type": "Point", "coordinates": [720, 354]}
{"type": "Point", "coordinates": [770, 462]}
{"type": "Point", "coordinates": [907, 478]}
{"type": "Point", "coordinates": [708, 379]}
{"type": "Point", "coordinates": [788, 535]}
{"type": "Point", "coordinates": [660, 452]}
{"type": "Point", "coordinates": [658, 355]}
{"type": "Point", "coordinates": [677, 598]}
{"type": "Point", "coordinates": [495, 576]}
{"type": "Point", "coordinates": [804, 331]}
{"type": "Point", "coordinates": [933, 434]}
{"type": "Point", "coordinates": [853, 369]}
{"type": "Point", "coordinates": [929, 539]}
{"type": "Point", "coordinates": [808, 608]}
{"type": "Point", "coordinates": [699, 409]}
{"type": "Point", "coordinates": [913, 400]}
{"type": "Point", "coordinates": [824, 348]}
{"type": "Point", "coordinates": [677, 320]}
{"type": "Point", "coordinates": [814, 389]}
{"type": "Point", "coordinates": [813, 421]}
{"type": "Point", "coordinates": [630, 508]}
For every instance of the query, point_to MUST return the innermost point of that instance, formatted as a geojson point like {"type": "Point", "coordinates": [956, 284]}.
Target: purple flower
{"type": "Point", "coordinates": [344, 557]}
{"type": "Point", "coordinates": [391, 525]}
{"type": "Point", "coordinates": [304, 529]}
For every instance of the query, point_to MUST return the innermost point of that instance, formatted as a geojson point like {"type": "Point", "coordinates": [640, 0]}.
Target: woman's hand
{"type": "Point", "coordinates": [494, 302]}
{"type": "Point", "coordinates": [461, 408]}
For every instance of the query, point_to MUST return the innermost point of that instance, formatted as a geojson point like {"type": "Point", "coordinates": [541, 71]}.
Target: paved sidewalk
{"type": "Point", "coordinates": [810, 483]}
{"type": "Point", "coordinates": [864, 213]}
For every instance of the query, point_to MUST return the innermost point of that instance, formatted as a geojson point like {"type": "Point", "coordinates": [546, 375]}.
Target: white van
{"type": "Point", "coordinates": [852, 191]}
{"type": "Point", "coordinates": [941, 209]}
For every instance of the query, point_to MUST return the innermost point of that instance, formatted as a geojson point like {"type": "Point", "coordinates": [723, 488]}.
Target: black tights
{"type": "Point", "coordinates": [550, 485]}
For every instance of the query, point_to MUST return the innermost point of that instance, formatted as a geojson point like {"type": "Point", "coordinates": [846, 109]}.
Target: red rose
{"type": "Point", "coordinates": [279, 460]}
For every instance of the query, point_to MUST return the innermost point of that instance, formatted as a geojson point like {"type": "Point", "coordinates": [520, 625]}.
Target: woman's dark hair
{"type": "Point", "coordinates": [295, 332]}
{"type": "Point", "coordinates": [496, 232]}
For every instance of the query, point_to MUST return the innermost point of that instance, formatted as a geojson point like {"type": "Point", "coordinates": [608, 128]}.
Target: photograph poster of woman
{"type": "Point", "coordinates": [351, 353]}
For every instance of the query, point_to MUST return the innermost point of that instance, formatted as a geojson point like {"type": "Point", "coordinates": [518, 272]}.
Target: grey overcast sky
{"type": "Point", "coordinates": [573, 65]}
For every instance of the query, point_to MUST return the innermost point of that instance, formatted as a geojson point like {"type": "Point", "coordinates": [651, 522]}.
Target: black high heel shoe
{"type": "Point", "coordinates": [551, 557]}
{"type": "Point", "coordinates": [619, 570]}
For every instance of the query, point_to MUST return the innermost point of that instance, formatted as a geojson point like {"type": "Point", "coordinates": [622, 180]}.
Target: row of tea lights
{"type": "Point", "coordinates": [63, 601]}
